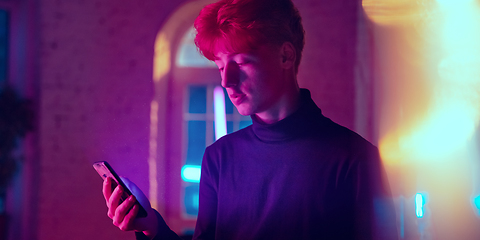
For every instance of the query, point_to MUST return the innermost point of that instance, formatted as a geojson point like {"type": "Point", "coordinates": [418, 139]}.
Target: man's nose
{"type": "Point", "coordinates": [231, 75]}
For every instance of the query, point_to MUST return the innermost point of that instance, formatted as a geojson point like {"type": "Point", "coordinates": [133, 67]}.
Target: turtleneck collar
{"type": "Point", "coordinates": [291, 126]}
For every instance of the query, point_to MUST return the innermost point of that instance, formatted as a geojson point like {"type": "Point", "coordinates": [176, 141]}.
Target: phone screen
{"type": "Point", "coordinates": [105, 170]}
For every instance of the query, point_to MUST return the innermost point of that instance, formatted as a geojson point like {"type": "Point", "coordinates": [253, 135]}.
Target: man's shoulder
{"type": "Point", "coordinates": [242, 135]}
{"type": "Point", "coordinates": [344, 137]}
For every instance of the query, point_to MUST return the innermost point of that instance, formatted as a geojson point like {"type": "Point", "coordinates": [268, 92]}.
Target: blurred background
{"type": "Point", "coordinates": [121, 81]}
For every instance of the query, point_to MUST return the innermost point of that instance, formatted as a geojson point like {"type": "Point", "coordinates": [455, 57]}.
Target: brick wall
{"type": "Point", "coordinates": [95, 92]}
{"type": "Point", "coordinates": [327, 67]}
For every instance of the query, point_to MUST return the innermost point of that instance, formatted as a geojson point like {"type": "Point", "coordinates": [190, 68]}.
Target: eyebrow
{"type": "Point", "coordinates": [215, 58]}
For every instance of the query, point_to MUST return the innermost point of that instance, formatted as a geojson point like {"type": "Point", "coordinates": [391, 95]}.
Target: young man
{"type": "Point", "coordinates": [292, 174]}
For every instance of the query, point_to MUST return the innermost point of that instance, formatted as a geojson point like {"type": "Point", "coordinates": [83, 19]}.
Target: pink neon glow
{"type": "Point", "coordinates": [219, 111]}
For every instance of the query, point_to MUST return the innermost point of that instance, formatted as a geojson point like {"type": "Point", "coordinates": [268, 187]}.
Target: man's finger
{"type": "Point", "coordinates": [107, 188]}
{"type": "Point", "coordinates": [114, 201]}
{"type": "Point", "coordinates": [122, 211]}
{"type": "Point", "coordinates": [128, 221]}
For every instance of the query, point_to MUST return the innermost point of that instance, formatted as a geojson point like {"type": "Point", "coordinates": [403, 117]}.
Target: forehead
{"type": "Point", "coordinates": [232, 46]}
{"type": "Point", "coordinates": [222, 51]}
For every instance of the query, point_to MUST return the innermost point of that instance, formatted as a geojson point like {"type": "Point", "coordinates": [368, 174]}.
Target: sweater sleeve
{"type": "Point", "coordinates": [164, 232]}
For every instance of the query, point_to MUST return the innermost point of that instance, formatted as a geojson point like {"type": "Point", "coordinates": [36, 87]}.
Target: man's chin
{"type": "Point", "coordinates": [244, 111]}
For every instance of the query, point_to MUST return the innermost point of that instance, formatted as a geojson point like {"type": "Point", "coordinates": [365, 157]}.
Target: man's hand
{"type": "Point", "coordinates": [123, 214]}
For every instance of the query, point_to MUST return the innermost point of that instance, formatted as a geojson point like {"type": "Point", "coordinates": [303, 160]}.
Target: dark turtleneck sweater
{"type": "Point", "coordinates": [304, 177]}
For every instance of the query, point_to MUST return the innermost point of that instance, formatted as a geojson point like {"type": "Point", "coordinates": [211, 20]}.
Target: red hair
{"type": "Point", "coordinates": [244, 25]}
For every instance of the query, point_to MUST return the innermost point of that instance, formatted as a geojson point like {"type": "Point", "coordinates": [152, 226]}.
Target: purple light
{"type": "Point", "coordinates": [219, 111]}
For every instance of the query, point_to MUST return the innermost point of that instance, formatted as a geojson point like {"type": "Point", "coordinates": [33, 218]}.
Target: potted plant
{"type": "Point", "coordinates": [16, 119]}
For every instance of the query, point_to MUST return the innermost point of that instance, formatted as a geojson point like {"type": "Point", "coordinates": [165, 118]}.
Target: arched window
{"type": "Point", "coordinates": [188, 56]}
{"type": "Point", "coordinates": [183, 119]}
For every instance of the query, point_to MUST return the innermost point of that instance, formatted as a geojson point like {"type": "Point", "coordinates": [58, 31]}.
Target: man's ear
{"type": "Point", "coordinates": [288, 55]}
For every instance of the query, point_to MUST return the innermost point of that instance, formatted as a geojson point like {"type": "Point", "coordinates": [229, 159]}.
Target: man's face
{"type": "Point", "coordinates": [253, 80]}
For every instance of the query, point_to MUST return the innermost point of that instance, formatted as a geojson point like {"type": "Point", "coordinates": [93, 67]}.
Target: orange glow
{"type": "Point", "coordinates": [161, 68]}
{"type": "Point", "coordinates": [386, 12]}
{"type": "Point", "coordinates": [437, 113]}
{"type": "Point", "coordinates": [152, 158]}
{"type": "Point", "coordinates": [427, 56]}
{"type": "Point", "coordinates": [161, 62]}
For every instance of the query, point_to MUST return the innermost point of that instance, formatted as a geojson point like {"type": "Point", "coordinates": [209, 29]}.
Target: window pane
{"type": "Point", "coordinates": [188, 55]}
{"type": "Point", "coordinates": [244, 124]}
{"type": "Point", "coordinates": [196, 142]}
{"type": "Point", "coordinates": [197, 99]}
{"type": "Point", "coordinates": [228, 103]}
{"type": "Point", "coordinates": [229, 126]}
{"type": "Point", "coordinates": [214, 136]}
{"type": "Point", "coordinates": [191, 199]}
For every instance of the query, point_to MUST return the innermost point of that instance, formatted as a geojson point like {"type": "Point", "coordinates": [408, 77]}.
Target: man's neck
{"type": "Point", "coordinates": [286, 106]}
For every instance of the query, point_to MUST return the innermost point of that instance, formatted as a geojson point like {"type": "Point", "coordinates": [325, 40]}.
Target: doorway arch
{"type": "Point", "coordinates": [166, 131]}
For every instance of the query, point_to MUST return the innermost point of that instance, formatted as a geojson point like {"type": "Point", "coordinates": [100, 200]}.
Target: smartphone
{"type": "Point", "coordinates": [105, 170]}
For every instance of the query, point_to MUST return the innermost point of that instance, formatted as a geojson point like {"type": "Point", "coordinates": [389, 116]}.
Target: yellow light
{"type": "Point", "coordinates": [161, 62]}
{"type": "Point", "coordinates": [388, 12]}
{"type": "Point", "coordinates": [428, 79]}
{"type": "Point", "coordinates": [451, 111]}
{"type": "Point", "coordinates": [152, 156]}
{"type": "Point", "coordinates": [446, 131]}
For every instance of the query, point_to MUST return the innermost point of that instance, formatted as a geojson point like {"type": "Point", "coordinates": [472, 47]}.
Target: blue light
{"type": "Point", "coordinates": [419, 202]}
{"type": "Point", "coordinates": [195, 199]}
{"type": "Point", "coordinates": [402, 217]}
{"type": "Point", "coordinates": [191, 199]}
{"type": "Point", "coordinates": [191, 173]}
{"type": "Point", "coordinates": [476, 202]}
{"type": "Point", "coordinates": [454, 2]}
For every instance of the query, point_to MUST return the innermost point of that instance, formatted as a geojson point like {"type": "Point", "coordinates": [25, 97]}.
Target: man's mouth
{"type": "Point", "coordinates": [237, 98]}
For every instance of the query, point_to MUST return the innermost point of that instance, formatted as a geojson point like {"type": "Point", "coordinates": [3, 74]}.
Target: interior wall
{"type": "Point", "coordinates": [329, 58]}
{"type": "Point", "coordinates": [95, 65]}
